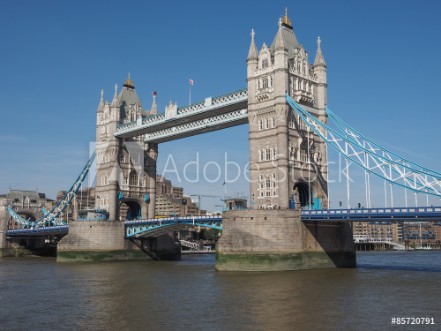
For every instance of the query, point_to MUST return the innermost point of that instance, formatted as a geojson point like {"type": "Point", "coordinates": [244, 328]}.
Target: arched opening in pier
{"type": "Point", "coordinates": [303, 190]}
{"type": "Point", "coordinates": [130, 210]}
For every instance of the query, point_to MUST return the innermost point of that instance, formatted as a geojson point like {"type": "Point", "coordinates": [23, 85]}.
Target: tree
{"type": "Point", "coordinates": [211, 234]}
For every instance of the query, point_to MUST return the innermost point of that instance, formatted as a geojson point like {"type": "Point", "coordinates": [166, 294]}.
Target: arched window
{"type": "Point", "coordinates": [133, 178]}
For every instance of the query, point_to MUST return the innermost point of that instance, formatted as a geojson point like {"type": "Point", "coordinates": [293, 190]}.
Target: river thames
{"type": "Point", "coordinates": [39, 294]}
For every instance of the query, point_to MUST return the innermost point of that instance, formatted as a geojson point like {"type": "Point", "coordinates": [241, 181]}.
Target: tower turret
{"type": "Point", "coordinates": [252, 61]}
{"type": "Point", "coordinates": [320, 95]}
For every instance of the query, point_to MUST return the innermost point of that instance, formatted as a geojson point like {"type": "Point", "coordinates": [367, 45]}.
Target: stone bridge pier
{"type": "Point", "coordinates": [275, 240]}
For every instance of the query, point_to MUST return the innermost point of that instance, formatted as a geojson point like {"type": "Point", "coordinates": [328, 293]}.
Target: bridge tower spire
{"type": "Point", "coordinates": [126, 168]}
{"type": "Point", "coordinates": [284, 156]}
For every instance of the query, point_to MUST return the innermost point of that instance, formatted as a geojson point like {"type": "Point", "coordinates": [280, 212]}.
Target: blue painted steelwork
{"type": "Point", "coordinates": [51, 217]}
{"type": "Point", "coordinates": [424, 214]}
{"type": "Point", "coordinates": [370, 156]}
{"type": "Point", "coordinates": [141, 227]}
{"type": "Point", "coordinates": [56, 221]}
{"type": "Point", "coordinates": [39, 231]}
{"type": "Point", "coordinates": [144, 227]}
{"type": "Point", "coordinates": [18, 219]}
{"type": "Point", "coordinates": [374, 214]}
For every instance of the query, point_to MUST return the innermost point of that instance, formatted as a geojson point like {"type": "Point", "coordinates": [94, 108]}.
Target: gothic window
{"type": "Point", "coordinates": [271, 122]}
{"type": "Point", "coordinates": [268, 154]}
{"type": "Point", "coordinates": [104, 180]}
{"type": "Point", "coordinates": [303, 155]}
{"type": "Point", "coordinates": [260, 125]}
{"type": "Point", "coordinates": [265, 82]}
{"type": "Point", "coordinates": [264, 63]}
{"type": "Point", "coordinates": [268, 183]}
{"type": "Point", "coordinates": [133, 178]}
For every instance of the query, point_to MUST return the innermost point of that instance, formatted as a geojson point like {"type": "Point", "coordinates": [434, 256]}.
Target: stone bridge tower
{"type": "Point", "coordinates": [284, 155]}
{"type": "Point", "coordinates": [126, 168]}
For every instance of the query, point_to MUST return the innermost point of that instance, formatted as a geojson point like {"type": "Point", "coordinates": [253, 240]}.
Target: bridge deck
{"type": "Point", "coordinates": [374, 214]}
{"type": "Point", "coordinates": [156, 227]}
{"type": "Point", "coordinates": [39, 232]}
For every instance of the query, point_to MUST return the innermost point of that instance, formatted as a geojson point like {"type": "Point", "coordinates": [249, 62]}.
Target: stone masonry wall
{"type": "Point", "coordinates": [271, 240]}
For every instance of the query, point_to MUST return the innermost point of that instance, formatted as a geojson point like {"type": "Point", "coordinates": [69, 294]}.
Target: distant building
{"type": "Point", "coordinates": [414, 234]}
{"type": "Point", "coordinates": [375, 231]}
{"type": "Point", "coordinates": [424, 234]}
{"type": "Point", "coordinates": [27, 204]}
{"type": "Point", "coordinates": [171, 201]}
{"type": "Point", "coordinates": [235, 204]}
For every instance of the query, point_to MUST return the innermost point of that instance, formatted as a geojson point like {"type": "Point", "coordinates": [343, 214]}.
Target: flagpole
{"type": "Point", "coordinates": [189, 94]}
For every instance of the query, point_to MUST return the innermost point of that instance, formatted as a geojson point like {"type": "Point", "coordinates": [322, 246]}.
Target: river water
{"type": "Point", "coordinates": [39, 294]}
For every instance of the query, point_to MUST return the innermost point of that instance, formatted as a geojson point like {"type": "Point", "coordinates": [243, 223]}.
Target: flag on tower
{"type": "Point", "coordinates": [155, 93]}
{"type": "Point", "coordinates": [190, 81]}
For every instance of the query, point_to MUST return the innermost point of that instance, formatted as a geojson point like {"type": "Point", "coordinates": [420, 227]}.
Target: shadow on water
{"type": "Point", "coordinates": [424, 261]}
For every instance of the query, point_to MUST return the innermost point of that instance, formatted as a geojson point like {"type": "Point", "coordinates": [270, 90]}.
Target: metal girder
{"type": "Point", "coordinates": [51, 217]}
{"type": "Point", "coordinates": [422, 214]}
{"type": "Point", "coordinates": [370, 156]}
{"type": "Point", "coordinates": [39, 232]}
{"type": "Point", "coordinates": [155, 227]}
{"type": "Point", "coordinates": [209, 108]}
{"type": "Point", "coordinates": [208, 124]}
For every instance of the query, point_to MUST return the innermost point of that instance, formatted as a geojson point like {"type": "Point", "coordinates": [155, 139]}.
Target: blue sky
{"type": "Point", "coordinates": [383, 60]}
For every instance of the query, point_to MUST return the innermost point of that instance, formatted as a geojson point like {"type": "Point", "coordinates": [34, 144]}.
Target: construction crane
{"type": "Point", "coordinates": [200, 196]}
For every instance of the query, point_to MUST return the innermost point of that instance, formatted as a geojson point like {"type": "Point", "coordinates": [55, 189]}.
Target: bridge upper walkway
{"type": "Point", "coordinates": [210, 115]}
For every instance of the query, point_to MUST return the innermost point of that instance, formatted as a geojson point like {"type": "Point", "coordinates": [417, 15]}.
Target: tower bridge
{"type": "Point", "coordinates": [285, 107]}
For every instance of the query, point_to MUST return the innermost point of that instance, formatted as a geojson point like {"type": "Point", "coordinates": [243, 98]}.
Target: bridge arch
{"type": "Point", "coordinates": [132, 209]}
{"type": "Point", "coordinates": [304, 194]}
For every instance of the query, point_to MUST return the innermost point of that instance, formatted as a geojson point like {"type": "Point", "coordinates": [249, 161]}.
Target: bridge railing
{"type": "Point", "coordinates": [164, 219]}
{"type": "Point", "coordinates": [206, 105]}
{"type": "Point", "coordinates": [408, 213]}
{"type": "Point", "coordinates": [59, 229]}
